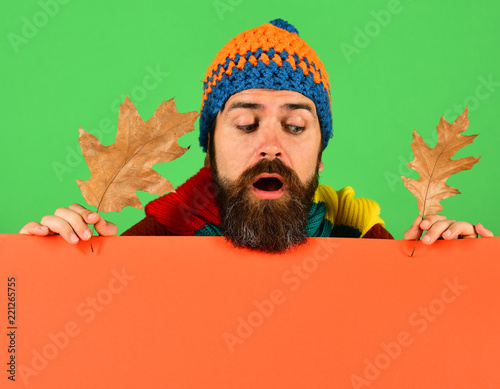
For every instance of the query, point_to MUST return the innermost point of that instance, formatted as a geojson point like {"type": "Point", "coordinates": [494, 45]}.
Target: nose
{"type": "Point", "coordinates": [270, 145]}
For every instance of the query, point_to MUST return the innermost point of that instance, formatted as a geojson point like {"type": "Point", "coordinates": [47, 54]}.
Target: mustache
{"type": "Point", "coordinates": [270, 166]}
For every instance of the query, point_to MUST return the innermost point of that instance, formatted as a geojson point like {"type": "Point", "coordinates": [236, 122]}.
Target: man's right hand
{"type": "Point", "coordinates": [71, 223]}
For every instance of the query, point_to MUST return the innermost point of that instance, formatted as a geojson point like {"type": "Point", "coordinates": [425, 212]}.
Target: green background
{"type": "Point", "coordinates": [393, 65]}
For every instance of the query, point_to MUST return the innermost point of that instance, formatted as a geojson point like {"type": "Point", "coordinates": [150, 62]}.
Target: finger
{"type": "Point", "coordinates": [34, 228]}
{"type": "Point", "coordinates": [460, 230]}
{"type": "Point", "coordinates": [483, 231]}
{"type": "Point", "coordinates": [105, 228]}
{"type": "Point", "coordinates": [76, 222]}
{"type": "Point", "coordinates": [429, 220]}
{"type": "Point", "coordinates": [90, 217]}
{"type": "Point", "coordinates": [414, 231]}
{"type": "Point", "coordinates": [436, 230]}
{"type": "Point", "coordinates": [61, 227]}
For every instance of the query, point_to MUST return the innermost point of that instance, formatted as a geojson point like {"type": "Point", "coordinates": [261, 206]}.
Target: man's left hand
{"type": "Point", "coordinates": [439, 226]}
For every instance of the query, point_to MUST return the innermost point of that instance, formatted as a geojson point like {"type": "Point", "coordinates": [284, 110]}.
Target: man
{"type": "Point", "coordinates": [265, 122]}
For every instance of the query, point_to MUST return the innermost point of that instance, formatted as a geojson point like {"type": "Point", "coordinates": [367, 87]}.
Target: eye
{"type": "Point", "coordinates": [248, 127]}
{"type": "Point", "coordinates": [294, 129]}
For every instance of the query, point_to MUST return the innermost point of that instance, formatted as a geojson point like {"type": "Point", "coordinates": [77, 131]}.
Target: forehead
{"type": "Point", "coordinates": [269, 97]}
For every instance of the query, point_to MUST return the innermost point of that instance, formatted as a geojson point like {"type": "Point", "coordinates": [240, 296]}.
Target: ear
{"type": "Point", "coordinates": [207, 157]}
{"type": "Point", "coordinates": [320, 168]}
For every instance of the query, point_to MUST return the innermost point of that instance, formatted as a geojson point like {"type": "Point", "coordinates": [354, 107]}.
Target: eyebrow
{"type": "Point", "coordinates": [288, 107]}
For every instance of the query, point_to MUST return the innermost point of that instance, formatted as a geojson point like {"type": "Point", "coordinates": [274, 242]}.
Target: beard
{"type": "Point", "coordinates": [274, 225]}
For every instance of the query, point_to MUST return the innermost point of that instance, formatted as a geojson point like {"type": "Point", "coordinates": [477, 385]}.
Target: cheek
{"type": "Point", "coordinates": [231, 158]}
{"type": "Point", "coordinates": [305, 158]}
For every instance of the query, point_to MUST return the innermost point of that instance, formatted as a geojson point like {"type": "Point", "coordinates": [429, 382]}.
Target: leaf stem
{"type": "Point", "coordinates": [91, 236]}
{"type": "Point", "coordinates": [414, 247]}
{"type": "Point", "coordinates": [93, 229]}
{"type": "Point", "coordinates": [417, 238]}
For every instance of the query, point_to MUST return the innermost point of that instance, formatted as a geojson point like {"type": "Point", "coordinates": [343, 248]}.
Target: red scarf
{"type": "Point", "coordinates": [190, 208]}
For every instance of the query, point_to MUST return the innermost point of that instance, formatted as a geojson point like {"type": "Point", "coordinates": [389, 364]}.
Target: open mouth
{"type": "Point", "coordinates": [268, 186]}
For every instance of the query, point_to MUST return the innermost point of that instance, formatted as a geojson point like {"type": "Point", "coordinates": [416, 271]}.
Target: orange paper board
{"type": "Point", "coordinates": [193, 312]}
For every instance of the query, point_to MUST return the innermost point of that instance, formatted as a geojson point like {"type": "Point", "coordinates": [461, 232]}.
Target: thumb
{"type": "Point", "coordinates": [414, 232]}
{"type": "Point", "coordinates": [103, 227]}
{"type": "Point", "coordinates": [483, 231]}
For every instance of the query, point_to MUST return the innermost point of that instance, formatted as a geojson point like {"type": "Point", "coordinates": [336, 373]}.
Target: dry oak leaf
{"type": "Point", "coordinates": [120, 169]}
{"type": "Point", "coordinates": [435, 165]}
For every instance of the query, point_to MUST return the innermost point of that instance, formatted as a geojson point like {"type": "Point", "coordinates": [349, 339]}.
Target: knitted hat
{"type": "Point", "coordinates": [271, 56]}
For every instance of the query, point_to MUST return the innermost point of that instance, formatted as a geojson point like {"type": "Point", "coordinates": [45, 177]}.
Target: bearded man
{"type": "Point", "coordinates": [265, 122]}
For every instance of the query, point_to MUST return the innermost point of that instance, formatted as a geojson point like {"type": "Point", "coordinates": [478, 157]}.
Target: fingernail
{"type": "Point", "coordinates": [93, 215]}
{"type": "Point", "coordinates": [447, 234]}
{"type": "Point", "coordinates": [44, 228]}
{"type": "Point", "coordinates": [73, 238]}
{"type": "Point", "coordinates": [426, 239]}
{"type": "Point", "coordinates": [87, 234]}
{"type": "Point", "coordinates": [424, 224]}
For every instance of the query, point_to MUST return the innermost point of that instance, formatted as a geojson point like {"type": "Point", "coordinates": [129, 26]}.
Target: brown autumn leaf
{"type": "Point", "coordinates": [120, 169]}
{"type": "Point", "coordinates": [435, 165]}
